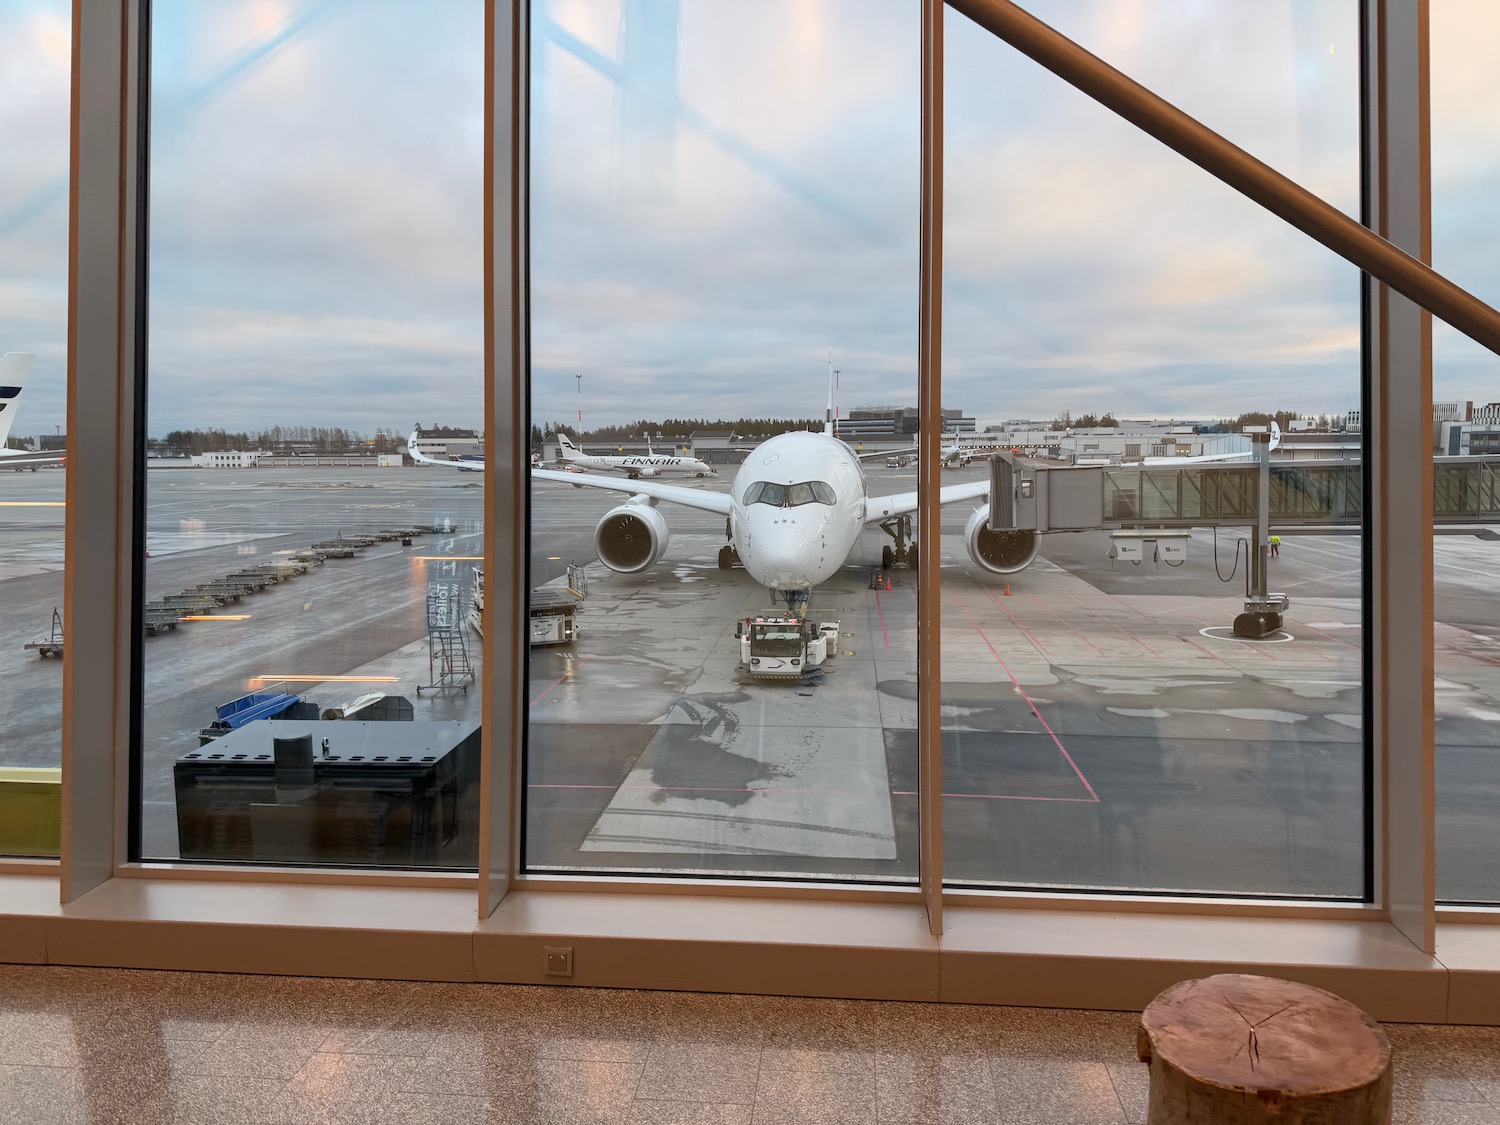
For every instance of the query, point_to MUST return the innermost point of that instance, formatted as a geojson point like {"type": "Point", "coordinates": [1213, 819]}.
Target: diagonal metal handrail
{"type": "Point", "coordinates": [1237, 168]}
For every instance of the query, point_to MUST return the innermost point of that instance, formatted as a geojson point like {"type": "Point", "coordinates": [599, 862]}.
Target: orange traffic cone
{"type": "Point", "coordinates": [1007, 589]}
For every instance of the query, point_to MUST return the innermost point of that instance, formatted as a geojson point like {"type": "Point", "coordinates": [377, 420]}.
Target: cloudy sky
{"type": "Point", "coordinates": [722, 193]}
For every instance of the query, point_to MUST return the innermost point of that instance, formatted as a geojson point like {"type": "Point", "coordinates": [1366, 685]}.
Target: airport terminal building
{"type": "Point", "coordinates": [1094, 712]}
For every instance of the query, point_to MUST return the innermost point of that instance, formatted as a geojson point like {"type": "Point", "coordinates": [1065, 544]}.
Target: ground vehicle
{"type": "Point", "coordinates": [895, 462]}
{"type": "Point", "coordinates": [553, 610]}
{"type": "Point", "coordinates": [781, 646]}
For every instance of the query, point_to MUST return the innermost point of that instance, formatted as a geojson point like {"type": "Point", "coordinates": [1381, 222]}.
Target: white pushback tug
{"type": "Point", "coordinates": [786, 647]}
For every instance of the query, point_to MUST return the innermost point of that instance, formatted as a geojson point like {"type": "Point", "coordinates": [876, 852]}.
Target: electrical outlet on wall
{"type": "Point", "coordinates": [557, 960]}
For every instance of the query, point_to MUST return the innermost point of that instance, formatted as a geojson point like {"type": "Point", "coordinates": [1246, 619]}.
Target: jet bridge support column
{"type": "Point", "coordinates": [1263, 610]}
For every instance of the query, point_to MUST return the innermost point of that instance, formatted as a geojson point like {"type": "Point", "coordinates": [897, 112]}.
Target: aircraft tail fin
{"type": "Point", "coordinates": [14, 367]}
{"type": "Point", "coordinates": [565, 447]}
{"type": "Point", "coordinates": [1275, 434]}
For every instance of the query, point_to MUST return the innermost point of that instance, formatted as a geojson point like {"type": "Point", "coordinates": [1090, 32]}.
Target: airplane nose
{"type": "Point", "coordinates": [782, 555]}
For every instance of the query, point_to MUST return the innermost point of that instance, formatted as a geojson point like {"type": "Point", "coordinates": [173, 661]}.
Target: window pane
{"type": "Point", "coordinates": [316, 290]}
{"type": "Point", "coordinates": [1465, 74]}
{"type": "Point", "coordinates": [1115, 318]}
{"type": "Point", "coordinates": [721, 194]}
{"type": "Point", "coordinates": [35, 53]}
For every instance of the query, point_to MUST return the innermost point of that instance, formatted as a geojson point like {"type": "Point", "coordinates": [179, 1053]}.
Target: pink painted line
{"type": "Point", "coordinates": [1029, 636]}
{"type": "Point", "coordinates": [886, 637]}
{"type": "Point", "coordinates": [680, 788]}
{"type": "Point", "coordinates": [1188, 640]}
{"type": "Point", "coordinates": [1047, 605]}
{"type": "Point", "coordinates": [1003, 797]}
{"type": "Point", "coordinates": [1325, 636]}
{"type": "Point", "coordinates": [566, 675]}
{"type": "Point", "coordinates": [1063, 750]}
{"type": "Point", "coordinates": [894, 792]}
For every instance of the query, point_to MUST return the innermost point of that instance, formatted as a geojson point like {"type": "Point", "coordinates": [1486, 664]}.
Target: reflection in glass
{"type": "Point", "coordinates": [315, 297]}
{"type": "Point", "coordinates": [35, 45]}
{"type": "Point", "coordinates": [1465, 76]}
{"type": "Point", "coordinates": [1136, 709]}
{"type": "Point", "coordinates": [722, 195]}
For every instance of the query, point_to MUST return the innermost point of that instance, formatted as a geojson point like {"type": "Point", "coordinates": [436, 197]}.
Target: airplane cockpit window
{"type": "Point", "coordinates": [790, 495]}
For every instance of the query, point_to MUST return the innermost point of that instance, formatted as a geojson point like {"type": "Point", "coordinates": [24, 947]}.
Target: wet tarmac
{"type": "Point", "coordinates": [1101, 729]}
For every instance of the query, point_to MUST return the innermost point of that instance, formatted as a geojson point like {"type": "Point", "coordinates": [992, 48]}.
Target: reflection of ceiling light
{"type": "Point", "coordinates": [448, 558]}
{"type": "Point", "coordinates": [332, 679]}
{"type": "Point", "coordinates": [33, 503]}
{"type": "Point", "coordinates": [216, 617]}
{"type": "Point", "coordinates": [554, 558]}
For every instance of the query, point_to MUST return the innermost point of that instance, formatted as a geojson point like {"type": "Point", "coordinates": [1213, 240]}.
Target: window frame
{"type": "Point", "coordinates": [100, 889]}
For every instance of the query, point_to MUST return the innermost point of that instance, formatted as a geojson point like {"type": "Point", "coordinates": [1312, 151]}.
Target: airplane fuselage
{"type": "Point", "coordinates": [641, 465]}
{"type": "Point", "coordinates": [799, 508]}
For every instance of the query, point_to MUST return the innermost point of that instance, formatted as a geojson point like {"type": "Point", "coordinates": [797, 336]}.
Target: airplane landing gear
{"type": "Point", "coordinates": [899, 528]}
{"type": "Point", "coordinates": [728, 556]}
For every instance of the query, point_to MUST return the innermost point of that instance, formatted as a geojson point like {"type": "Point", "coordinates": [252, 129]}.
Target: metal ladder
{"type": "Point", "coordinates": [447, 651]}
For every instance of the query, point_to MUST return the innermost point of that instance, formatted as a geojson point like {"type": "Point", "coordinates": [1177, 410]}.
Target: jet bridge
{"type": "Point", "coordinates": [1136, 499]}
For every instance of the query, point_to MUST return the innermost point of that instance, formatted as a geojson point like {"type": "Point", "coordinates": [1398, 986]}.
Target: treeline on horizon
{"type": "Point", "coordinates": [1283, 418]}
{"type": "Point", "coordinates": [317, 439]}
{"type": "Point", "coordinates": [675, 427]}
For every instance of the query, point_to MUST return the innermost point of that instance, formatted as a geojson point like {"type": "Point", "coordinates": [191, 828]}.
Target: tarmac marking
{"type": "Point", "coordinates": [1029, 635]}
{"type": "Point", "coordinates": [1047, 605]}
{"type": "Point", "coordinates": [1326, 637]}
{"type": "Point", "coordinates": [1120, 627]}
{"type": "Point", "coordinates": [886, 637]}
{"type": "Point", "coordinates": [1188, 640]}
{"type": "Point", "coordinates": [1004, 797]}
{"type": "Point", "coordinates": [565, 676]}
{"type": "Point", "coordinates": [1063, 750]}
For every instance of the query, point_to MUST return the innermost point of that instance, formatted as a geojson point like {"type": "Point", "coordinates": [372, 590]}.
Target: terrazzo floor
{"type": "Point", "coordinates": [105, 1045]}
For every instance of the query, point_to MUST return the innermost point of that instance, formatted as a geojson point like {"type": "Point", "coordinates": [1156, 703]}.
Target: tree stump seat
{"type": "Point", "coordinates": [1236, 1049]}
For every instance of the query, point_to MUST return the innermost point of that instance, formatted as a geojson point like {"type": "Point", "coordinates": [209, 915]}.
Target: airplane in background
{"type": "Point", "coordinates": [634, 466]}
{"type": "Point", "coordinates": [14, 367]}
{"type": "Point", "coordinates": [794, 513]}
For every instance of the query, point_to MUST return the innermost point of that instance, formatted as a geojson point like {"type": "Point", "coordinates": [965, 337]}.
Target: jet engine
{"type": "Point", "coordinates": [1004, 551]}
{"type": "Point", "coordinates": [631, 537]}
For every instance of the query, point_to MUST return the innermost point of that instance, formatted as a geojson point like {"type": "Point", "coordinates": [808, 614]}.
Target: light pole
{"type": "Point", "coordinates": [579, 377]}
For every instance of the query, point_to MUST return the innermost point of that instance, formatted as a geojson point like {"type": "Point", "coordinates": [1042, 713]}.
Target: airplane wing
{"type": "Point", "coordinates": [911, 451]}
{"type": "Point", "coordinates": [700, 498]}
{"type": "Point", "coordinates": [878, 508]}
{"type": "Point", "coordinates": [705, 501]}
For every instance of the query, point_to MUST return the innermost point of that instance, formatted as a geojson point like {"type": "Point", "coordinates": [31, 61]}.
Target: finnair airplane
{"type": "Point", "coordinates": [14, 367]}
{"type": "Point", "coordinates": [793, 515]}
{"type": "Point", "coordinates": [633, 465]}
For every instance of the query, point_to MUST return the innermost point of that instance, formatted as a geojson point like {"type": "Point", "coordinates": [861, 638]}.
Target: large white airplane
{"type": "Point", "coordinates": [634, 466]}
{"type": "Point", "coordinates": [14, 367]}
{"type": "Point", "coordinates": [793, 515]}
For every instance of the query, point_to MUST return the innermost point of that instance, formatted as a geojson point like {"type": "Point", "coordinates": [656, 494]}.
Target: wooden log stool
{"type": "Point", "coordinates": [1235, 1049]}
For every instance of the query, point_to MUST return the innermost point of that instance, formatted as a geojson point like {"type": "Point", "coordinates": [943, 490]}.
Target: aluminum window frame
{"type": "Point", "coordinates": [105, 521]}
